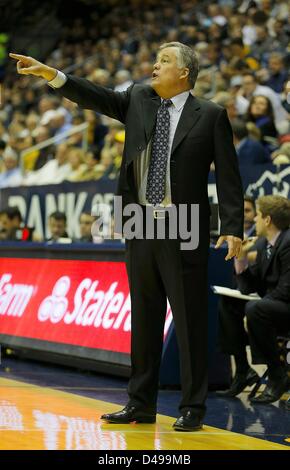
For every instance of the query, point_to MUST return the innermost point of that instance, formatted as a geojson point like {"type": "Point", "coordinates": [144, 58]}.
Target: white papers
{"type": "Point", "coordinates": [234, 293]}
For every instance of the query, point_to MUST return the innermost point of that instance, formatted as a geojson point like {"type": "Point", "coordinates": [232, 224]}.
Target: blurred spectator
{"type": "Point", "coordinates": [32, 121]}
{"type": "Point", "coordinates": [46, 105]}
{"type": "Point", "coordinates": [2, 225]}
{"type": "Point", "coordinates": [101, 77]}
{"type": "Point", "coordinates": [53, 172]}
{"type": "Point", "coordinates": [145, 71]}
{"type": "Point", "coordinates": [226, 100]}
{"type": "Point", "coordinates": [10, 222]}
{"type": "Point", "coordinates": [250, 152]}
{"type": "Point", "coordinates": [260, 112]}
{"type": "Point", "coordinates": [251, 88]}
{"type": "Point", "coordinates": [58, 125]}
{"type": "Point", "coordinates": [93, 170]}
{"type": "Point", "coordinates": [285, 97]}
{"type": "Point", "coordinates": [4, 136]}
{"type": "Point", "coordinates": [249, 216]}
{"type": "Point", "coordinates": [11, 174]}
{"type": "Point", "coordinates": [278, 74]}
{"type": "Point", "coordinates": [76, 158]}
{"type": "Point", "coordinates": [2, 148]}
{"type": "Point", "coordinates": [280, 10]}
{"type": "Point", "coordinates": [249, 31]}
{"type": "Point", "coordinates": [36, 159]}
{"type": "Point", "coordinates": [107, 162]}
{"type": "Point", "coordinates": [280, 33]}
{"type": "Point", "coordinates": [281, 156]}
{"type": "Point", "coordinates": [20, 142]}
{"type": "Point", "coordinates": [263, 44]}
{"type": "Point", "coordinates": [241, 58]}
{"type": "Point", "coordinates": [122, 80]}
{"type": "Point", "coordinates": [57, 227]}
{"type": "Point", "coordinates": [86, 222]}
{"type": "Point", "coordinates": [97, 129]}
{"type": "Point", "coordinates": [111, 154]}
{"type": "Point", "coordinates": [241, 103]}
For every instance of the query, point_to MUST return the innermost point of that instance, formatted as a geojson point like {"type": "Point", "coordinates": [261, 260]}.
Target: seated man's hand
{"type": "Point", "coordinates": [247, 244]}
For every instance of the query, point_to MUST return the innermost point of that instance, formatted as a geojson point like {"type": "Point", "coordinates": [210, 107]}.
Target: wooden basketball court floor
{"type": "Point", "coordinates": [34, 416]}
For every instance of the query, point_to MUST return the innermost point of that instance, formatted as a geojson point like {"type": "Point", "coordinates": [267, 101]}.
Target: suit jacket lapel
{"type": "Point", "coordinates": [150, 108]}
{"type": "Point", "coordinates": [189, 116]}
{"type": "Point", "coordinates": [266, 262]}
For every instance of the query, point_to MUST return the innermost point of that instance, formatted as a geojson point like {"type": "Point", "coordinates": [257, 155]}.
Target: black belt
{"type": "Point", "coordinates": [156, 213]}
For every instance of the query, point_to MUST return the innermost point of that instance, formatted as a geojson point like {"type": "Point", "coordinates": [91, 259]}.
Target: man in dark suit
{"type": "Point", "coordinates": [249, 216]}
{"type": "Point", "coordinates": [171, 140]}
{"type": "Point", "coordinates": [267, 317]}
{"type": "Point", "coordinates": [249, 151]}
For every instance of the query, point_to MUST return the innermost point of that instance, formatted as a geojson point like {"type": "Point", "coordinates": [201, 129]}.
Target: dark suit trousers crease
{"type": "Point", "coordinates": [156, 269]}
{"type": "Point", "coordinates": [266, 319]}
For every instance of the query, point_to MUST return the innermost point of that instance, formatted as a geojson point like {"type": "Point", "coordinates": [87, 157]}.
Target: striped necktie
{"type": "Point", "coordinates": [269, 249]}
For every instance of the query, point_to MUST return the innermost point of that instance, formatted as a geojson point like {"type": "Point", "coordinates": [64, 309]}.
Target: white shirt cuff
{"type": "Point", "coordinates": [58, 81]}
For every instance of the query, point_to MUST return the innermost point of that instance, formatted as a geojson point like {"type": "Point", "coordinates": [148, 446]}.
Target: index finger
{"type": "Point", "coordinates": [17, 56]}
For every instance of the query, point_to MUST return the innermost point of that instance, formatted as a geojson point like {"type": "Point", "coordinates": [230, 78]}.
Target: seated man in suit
{"type": "Point", "coordinates": [270, 277]}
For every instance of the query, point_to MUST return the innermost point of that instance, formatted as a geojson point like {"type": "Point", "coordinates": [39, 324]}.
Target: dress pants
{"type": "Point", "coordinates": [156, 270]}
{"type": "Point", "coordinates": [266, 319]}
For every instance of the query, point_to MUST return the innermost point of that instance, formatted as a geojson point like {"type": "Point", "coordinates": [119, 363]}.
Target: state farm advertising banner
{"type": "Point", "coordinates": [83, 303]}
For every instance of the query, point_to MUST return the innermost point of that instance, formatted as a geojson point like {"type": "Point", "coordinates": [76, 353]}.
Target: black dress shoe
{"type": "Point", "coordinates": [273, 391]}
{"type": "Point", "coordinates": [188, 422]}
{"type": "Point", "coordinates": [129, 414]}
{"type": "Point", "coordinates": [240, 382]}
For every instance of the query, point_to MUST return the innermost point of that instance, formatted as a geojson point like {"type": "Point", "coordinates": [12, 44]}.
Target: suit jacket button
{"type": "Point", "coordinates": [139, 147]}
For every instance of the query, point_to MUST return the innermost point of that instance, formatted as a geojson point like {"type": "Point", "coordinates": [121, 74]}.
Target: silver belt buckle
{"type": "Point", "coordinates": [156, 213]}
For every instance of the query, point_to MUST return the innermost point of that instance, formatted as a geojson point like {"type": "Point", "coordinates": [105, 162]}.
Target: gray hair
{"type": "Point", "coordinates": [186, 57]}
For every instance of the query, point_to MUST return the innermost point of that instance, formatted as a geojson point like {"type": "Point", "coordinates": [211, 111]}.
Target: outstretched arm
{"type": "Point", "coordinates": [29, 66]}
{"type": "Point", "coordinates": [83, 92]}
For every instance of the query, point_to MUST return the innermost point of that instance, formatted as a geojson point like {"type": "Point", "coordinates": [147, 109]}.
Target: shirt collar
{"type": "Point", "coordinates": [179, 100]}
{"type": "Point", "coordinates": [274, 239]}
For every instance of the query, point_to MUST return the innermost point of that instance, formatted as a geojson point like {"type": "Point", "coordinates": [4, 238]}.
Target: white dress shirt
{"type": "Point", "coordinates": [141, 164]}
